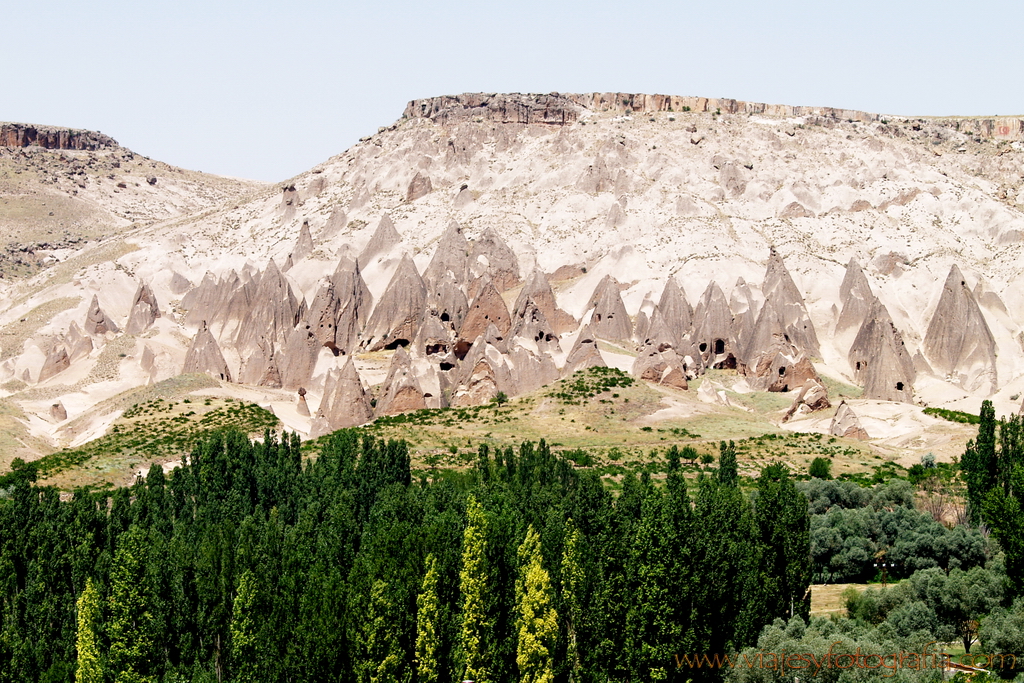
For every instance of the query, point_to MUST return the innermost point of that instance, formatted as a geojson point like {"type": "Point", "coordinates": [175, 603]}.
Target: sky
{"type": "Point", "coordinates": [267, 90]}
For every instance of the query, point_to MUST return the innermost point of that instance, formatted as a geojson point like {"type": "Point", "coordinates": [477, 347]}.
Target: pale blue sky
{"type": "Point", "coordinates": [266, 90]}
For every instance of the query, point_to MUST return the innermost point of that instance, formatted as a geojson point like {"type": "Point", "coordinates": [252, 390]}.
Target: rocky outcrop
{"type": "Point", "coordinates": [855, 297]}
{"type": "Point", "coordinates": [385, 238]}
{"type": "Point", "coordinates": [609, 319]}
{"type": "Point", "coordinates": [713, 333]}
{"type": "Point", "coordinates": [959, 343]}
{"type": "Point", "coordinates": [52, 137]}
{"type": "Point", "coordinates": [787, 305]}
{"type": "Point", "coordinates": [447, 303]}
{"type": "Point", "coordinates": [675, 311]}
{"type": "Point", "coordinates": [400, 392]}
{"type": "Point", "coordinates": [659, 363]}
{"type": "Point", "coordinates": [419, 186]}
{"type": "Point", "coordinates": [303, 244]}
{"type": "Point", "coordinates": [879, 358]}
{"type": "Point", "coordinates": [57, 361]}
{"type": "Point", "coordinates": [531, 324]}
{"type": "Point", "coordinates": [813, 396]}
{"type": "Point", "coordinates": [144, 311]}
{"type": "Point", "coordinates": [487, 308]}
{"type": "Point", "coordinates": [301, 407]}
{"type": "Point", "coordinates": [451, 256]}
{"type": "Point", "coordinates": [492, 257]}
{"type": "Point", "coordinates": [204, 357]}
{"type": "Point", "coordinates": [96, 321]}
{"type": "Point", "coordinates": [58, 412]}
{"type": "Point", "coordinates": [482, 375]}
{"type": "Point", "coordinates": [79, 344]}
{"type": "Point", "coordinates": [344, 403]}
{"type": "Point", "coordinates": [397, 316]}
{"type": "Point", "coordinates": [584, 353]}
{"type": "Point", "coordinates": [538, 290]}
{"type": "Point", "coordinates": [274, 314]}
{"type": "Point", "coordinates": [530, 371]}
{"type": "Point", "coordinates": [846, 423]}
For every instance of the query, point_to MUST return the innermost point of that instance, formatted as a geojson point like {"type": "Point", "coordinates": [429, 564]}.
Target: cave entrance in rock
{"type": "Point", "coordinates": [782, 371]}
{"type": "Point", "coordinates": [719, 346]}
{"type": "Point", "coordinates": [899, 386]}
{"type": "Point", "coordinates": [396, 343]}
{"type": "Point", "coordinates": [703, 347]}
{"type": "Point", "coordinates": [728, 364]}
{"type": "Point", "coordinates": [440, 347]}
{"type": "Point", "coordinates": [461, 349]}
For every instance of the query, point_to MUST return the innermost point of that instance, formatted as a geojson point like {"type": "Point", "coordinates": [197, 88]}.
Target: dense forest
{"type": "Point", "coordinates": [250, 562]}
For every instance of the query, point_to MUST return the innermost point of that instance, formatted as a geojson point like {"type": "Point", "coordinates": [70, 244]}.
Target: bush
{"type": "Point", "coordinates": [821, 468]}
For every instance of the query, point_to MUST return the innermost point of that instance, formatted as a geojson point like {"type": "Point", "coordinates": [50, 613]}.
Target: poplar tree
{"type": "Point", "coordinates": [381, 659]}
{"type": "Point", "coordinates": [727, 466]}
{"type": "Point", "coordinates": [572, 589]}
{"type": "Point", "coordinates": [473, 586]}
{"type": "Point", "coordinates": [90, 668]}
{"type": "Point", "coordinates": [428, 626]}
{"type": "Point", "coordinates": [245, 630]}
{"type": "Point", "coordinates": [131, 617]}
{"type": "Point", "coordinates": [536, 620]}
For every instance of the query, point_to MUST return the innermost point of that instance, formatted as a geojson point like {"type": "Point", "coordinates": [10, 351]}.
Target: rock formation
{"type": "Point", "coordinates": [303, 244]}
{"type": "Point", "coordinates": [79, 344]}
{"type": "Point", "coordinates": [812, 397]}
{"type": "Point", "coordinates": [385, 237]}
{"type": "Point", "coordinates": [275, 312]}
{"type": "Point", "coordinates": [397, 316]}
{"type": "Point", "coordinates": [788, 307]}
{"type": "Point", "coordinates": [204, 356]}
{"type": "Point", "coordinates": [447, 303]}
{"type": "Point", "coordinates": [675, 311]}
{"type": "Point", "coordinates": [58, 412]}
{"type": "Point", "coordinates": [50, 137]}
{"type": "Point", "coordinates": [879, 358]}
{"type": "Point", "coordinates": [400, 392]}
{"type": "Point", "coordinates": [451, 256]}
{"type": "Point", "coordinates": [584, 353]}
{"type": "Point", "coordinates": [609, 319]}
{"type": "Point", "coordinates": [659, 363]}
{"type": "Point", "coordinates": [538, 290]}
{"type": "Point", "coordinates": [481, 376]}
{"type": "Point", "coordinates": [96, 321]}
{"type": "Point", "coordinates": [530, 371]}
{"type": "Point", "coordinates": [492, 257]}
{"type": "Point", "coordinates": [57, 361]}
{"type": "Point", "coordinates": [531, 324]}
{"type": "Point", "coordinates": [301, 407]}
{"type": "Point", "coordinates": [344, 403]}
{"type": "Point", "coordinates": [419, 186]}
{"type": "Point", "coordinates": [713, 333]}
{"type": "Point", "coordinates": [845, 423]}
{"type": "Point", "coordinates": [959, 343]}
{"type": "Point", "coordinates": [144, 311]}
{"type": "Point", "coordinates": [855, 297]}
{"type": "Point", "coordinates": [487, 308]}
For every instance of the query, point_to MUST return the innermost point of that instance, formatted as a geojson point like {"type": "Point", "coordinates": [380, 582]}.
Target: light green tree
{"type": "Point", "coordinates": [131, 617]}
{"type": "Point", "coordinates": [245, 630]}
{"type": "Point", "coordinates": [90, 667]}
{"type": "Point", "coordinates": [473, 586]}
{"type": "Point", "coordinates": [428, 623]}
{"type": "Point", "coordinates": [381, 656]}
{"type": "Point", "coordinates": [572, 588]}
{"type": "Point", "coordinates": [536, 620]}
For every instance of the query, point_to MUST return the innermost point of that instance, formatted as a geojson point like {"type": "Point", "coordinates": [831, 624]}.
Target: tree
{"type": "Point", "coordinates": [245, 639]}
{"type": "Point", "coordinates": [90, 615]}
{"type": "Point", "coordinates": [821, 468]}
{"type": "Point", "coordinates": [780, 512]}
{"type": "Point", "coordinates": [536, 620]}
{"type": "Point", "coordinates": [131, 617]}
{"type": "Point", "coordinates": [979, 462]}
{"type": "Point", "coordinates": [572, 588]}
{"type": "Point", "coordinates": [382, 659]}
{"type": "Point", "coordinates": [727, 465]}
{"type": "Point", "coordinates": [428, 626]}
{"type": "Point", "coordinates": [473, 586]}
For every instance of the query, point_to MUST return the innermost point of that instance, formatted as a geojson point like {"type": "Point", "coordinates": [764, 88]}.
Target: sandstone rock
{"type": "Point", "coordinates": [419, 186]}
{"type": "Point", "coordinates": [538, 290]}
{"type": "Point", "coordinates": [712, 392]}
{"type": "Point", "coordinates": [675, 311]}
{"type": "Point", "coordinates": [79, 344]}
{"type": "Point", "coordinates": [451, 256]}
{"type": "Point", "coordinates": [492, 257]}
{"type": "Point", "coordinates": [303, 244]}
{"type": "Point", "coordinates": [204, 356]}
{"type": "Point", "coordinates": [179, 284]}
{"type": "Point", "coordinates": [144, 311]}
{"type": "Point", "coordinates": [488, 308]}
{"type": "Point", "coordinates": [51, 137]}
{"type": "Point", "coordinates": [530, 371]}
{"type": "Point", "coordinates": [609, 319]}
{"type": "Point", "coordinates": [659, 363]}
{"type": "Point", "coordinates": [532, 325]}
{"type": "Point", "coordinates": [301, 407]}
{"type": "Point", "coordinates": [788, 304]}
{"type": "Point", "coordinates": [745, 310]}
{"type": "Point", "coordinates": [584, 353]}
{"type": "Point", "coordinates": [385, 238]}
{"type": "Point", "coordinates": [795, 210]}
{"type": "Point", "coordinates": [344, 403]}
{"type": "Point", "coordinates": [855, 297]}
{"type": "Point", "coordinates": [400, 392]}
{"type": "Point", "coordinates": [713, 333]}
{"type": "Point", "coordinates": [779, 368]}
{"type": "Point", "coordinates": [959, 343]}
{"type": "Point", "coordinates": [846, 424]}
{"type": "Point", "coordinates": [397, 316]}
{"type": "Point", "coordinates": [96, 321]}
{"type": "Point", "coordinates": [57, 361]}
{"type": "Point", "coordinates": [433, 339]}
{"type": "Point", "coordinates": [58, 412]}
{"type": "Point", "coordinates": [447, 302]}
{"type": "Point", "coordinates": [482, 375]}
{"type": "Point", "coordinates": [274, 314]}
{"type": "Point", "coordinates": [880, 360]}
{"type": "Point", "coordinates": [812, 397]}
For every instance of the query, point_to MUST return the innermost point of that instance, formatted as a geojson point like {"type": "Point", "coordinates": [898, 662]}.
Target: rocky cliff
{"type": "Point", "coordinates": [52, 137]}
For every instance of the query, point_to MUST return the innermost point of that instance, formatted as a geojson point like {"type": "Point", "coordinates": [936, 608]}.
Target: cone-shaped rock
{"type": "Point", "coordinates": [401, 391]}
{"type": "Point", "coordinates": [274, 313]}
{"type": "Point", "coordinates": [451, 256]}
{"type": "Point", "coordinates": [397, 316]}
{"type": "Point", "coordinates": [354, 304]}
{"type": "Point", "coordinates": [744, 313]}
{"type": "Point", "coordinates": [57, 361]}
{"type": "Point", "coordinates": [675, 311]}
{"type": "Point", "coordinates": [880, 360]}
{"type": "Point", "coordinates": [659, 363]}
{"type": "Point", "coordinates": [538, 290]}
{"type": "Point", "coordinates": [712, 329]}
{"type": "Point", "coordinates": [492, 257]}
{"type": "Point", "coordinates": [811, 397]}
{"type": "Point", "coordinates": [79, 344]}
{"type": "Point", "coordinates": [144, 312]}
{"type": "Point", "coordinates": [179, 284]}
{"type": "Point", "coordinates": [58, 412]}
{"type": "Point", "coordinates": [344, 404]}
{"type": "Point", "coordinates": [584, 353]}
{"type": "Point", "coordinates": [304, 243]}
{"type": "Point", "coordinates": [855, 297]}
{"type": "Point", "coordinates": [482, 375]}
{"type": "Point", "coordinates": [845, 423]}
{"type": "Point", "coordinates": [488, 308]}
{"type": "Point", "coordinates": [433, 339]}
{"type": "Point", "coordinates": [958, 342]}
{"type": "Point", "coordinates": [204, 356]}
{"type": "Point", "coordinates": [420, 186]}
{"type": "Point", "coordinates": [531, 324]}
{"type": "Point", "coordinates": [609, 319]}
{"type": "Point", "coordinates": [530, 371]}
{"type": "Point", "coordinates": [301, 407]}
{"type": "Point", "coordinates": [385, 237]}
{"type": "Point", "coordinates": [788, 303]}
{"type": "Point", "coordinates": [96, 321]}
{"type": "Point", "coordinates": [447, 302]}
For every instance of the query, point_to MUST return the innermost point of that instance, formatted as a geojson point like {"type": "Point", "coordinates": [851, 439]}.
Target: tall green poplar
{"type": "Point", "coordinates": [572, 589]}
{"type": "Point", "coordinates": [473, 587]}
{"type": "Point", "coordinates": [428, 625]}
{"type": "Point", "coordinates": [90, 614]}
{"type": "Point", "coordinates": [536, 620]}
{"type": "Point", "coordinates": [131, 616]}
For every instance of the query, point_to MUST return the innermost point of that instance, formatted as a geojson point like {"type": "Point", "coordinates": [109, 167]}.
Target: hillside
{"type": "Point", "coordinates": [488, 244]}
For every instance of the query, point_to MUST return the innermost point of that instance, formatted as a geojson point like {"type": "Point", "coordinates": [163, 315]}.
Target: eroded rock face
{"type": "Point", "coordinates": [204, 357]}
{"type": "Point", "coordinates": [57, 361]}
{"type": "Point", "coordinates": [397, 316]}
{"type": "Point", "coordinates": [813, 396]}
{"type": "Point", "coordinates": [659, 363]}
{"type": "Point", "coordinates": [713, 333]}
{"type": "Point", "coordinates": [787, 304]}
{"type": "Point", "coordinates": [385, 237]}
{"type": "Point", "coordinates": [609, 319]}
{"type": "Point", "coordinates": [58, 412]}
{"type": "Point", "coordinates": [451, 256]}
{"type": "Point", "coordinates": [538, 290]}
{"type": "Point", "coordinates": [344, 403]}
{"type": "Point", "coordinates": [584, 353]}
{"type": "Point", "coordinates": [488, 308]}
{"type": "Point", "coordinates": [50, 137]}
{"type": "Point", "coordinates": [959, 343]}
{"type": "Point", "coordinates": [880, 360]}
{"type": "Point", "coordinates": [419, 186]}
{"type": "Point", "coordinates": [401, 391]}
{"type": "Point", "coordinates": [96, 321]}
{"type": "Point", "coordinates": [493, 258]}
{"type": "Point", "coordinates": [144, 311]}
{"type": "Point", "coordinates": [855, 297]}
{"type": "Point", "coordinates": [847, 424]}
